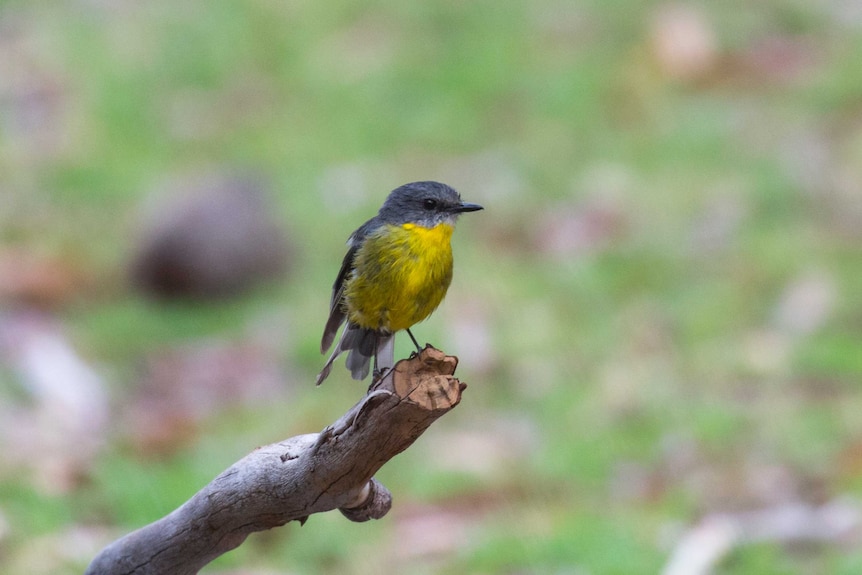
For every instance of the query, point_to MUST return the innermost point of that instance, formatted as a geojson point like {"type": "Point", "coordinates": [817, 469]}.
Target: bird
{"type": "Point", "coordinates": [397, 270]}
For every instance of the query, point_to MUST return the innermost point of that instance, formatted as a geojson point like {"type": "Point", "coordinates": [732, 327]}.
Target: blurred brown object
{"type": "Point", "coordinates": [215, 238]}
{"type": "Point", "coordinates": [35, 280]}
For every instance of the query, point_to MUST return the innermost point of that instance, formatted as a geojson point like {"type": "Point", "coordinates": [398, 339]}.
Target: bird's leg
{"type": "Point", "coordinates": [384, 357]}
{"type": "Point", "coordinates": [416, 343]}
{"type": "Point", "coordinates": [378, 373]}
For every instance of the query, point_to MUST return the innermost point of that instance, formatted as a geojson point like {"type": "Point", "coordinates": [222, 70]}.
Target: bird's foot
{"type": "Point", "coordinates": [379, 374]}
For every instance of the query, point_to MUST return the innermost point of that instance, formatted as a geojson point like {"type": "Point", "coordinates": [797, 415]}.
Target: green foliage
{"type": "Point", "coordinates": [625, 367]}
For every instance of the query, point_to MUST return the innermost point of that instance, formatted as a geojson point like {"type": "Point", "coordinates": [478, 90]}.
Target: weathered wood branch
{"type": "Point", "coordinates": [294, 478]}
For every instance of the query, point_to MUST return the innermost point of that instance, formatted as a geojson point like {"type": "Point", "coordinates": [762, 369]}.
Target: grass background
{"type": "Point", "coordinates": [629, 310]}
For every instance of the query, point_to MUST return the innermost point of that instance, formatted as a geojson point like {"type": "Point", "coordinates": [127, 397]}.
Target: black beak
{"type": "Point", "coordinates": [465, 207]}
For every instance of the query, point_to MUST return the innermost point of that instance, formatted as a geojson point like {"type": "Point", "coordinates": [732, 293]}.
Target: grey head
{"type": "Point", "coordinates": [424, 203]}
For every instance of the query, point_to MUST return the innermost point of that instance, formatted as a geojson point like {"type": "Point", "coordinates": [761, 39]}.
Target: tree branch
{"type": "Point", "coordinates": [294, 478]}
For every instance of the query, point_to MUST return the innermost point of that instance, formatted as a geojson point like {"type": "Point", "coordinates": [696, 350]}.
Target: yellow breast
{"type": "Point", "coordinates": [401, 275]}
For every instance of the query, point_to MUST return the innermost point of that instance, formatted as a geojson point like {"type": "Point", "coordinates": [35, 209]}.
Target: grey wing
{"type": "Point", "coordinates": [337, 313]}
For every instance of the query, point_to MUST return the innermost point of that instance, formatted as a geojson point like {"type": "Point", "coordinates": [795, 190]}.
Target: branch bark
{"type": "Point", "coordinates": [294, 478]}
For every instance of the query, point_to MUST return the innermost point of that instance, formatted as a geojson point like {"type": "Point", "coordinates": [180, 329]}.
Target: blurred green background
{"type": "Point", "coordinates": [658, 314]}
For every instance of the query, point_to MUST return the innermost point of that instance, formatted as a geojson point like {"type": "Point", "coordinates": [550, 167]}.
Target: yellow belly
{"type": "Point", "coordinates": [401, 275]}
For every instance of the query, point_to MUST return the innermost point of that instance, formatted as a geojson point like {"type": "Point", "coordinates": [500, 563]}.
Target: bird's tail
{"type": "Point", "coordinates": [361, 344]}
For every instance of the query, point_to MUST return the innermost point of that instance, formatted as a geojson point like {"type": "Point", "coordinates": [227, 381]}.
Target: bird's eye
{"type": "Point", "coordinates": [429, 204]}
